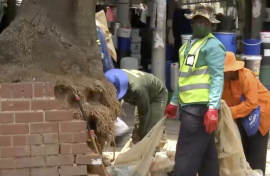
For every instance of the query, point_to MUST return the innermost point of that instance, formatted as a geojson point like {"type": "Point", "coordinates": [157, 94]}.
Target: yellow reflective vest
{"type": "Point", "coordinates": [193, 82]}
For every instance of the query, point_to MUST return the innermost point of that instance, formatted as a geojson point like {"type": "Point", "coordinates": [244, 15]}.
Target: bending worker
{"type": "Point", "coordinates": [143, 90]}
{"type": "Point", "coordinates": [201, 77]}
{"type": "Point", "coordinates": [243, 93]}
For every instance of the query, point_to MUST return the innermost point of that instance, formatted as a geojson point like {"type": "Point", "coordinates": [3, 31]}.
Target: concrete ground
{"type": "Point", "coordinates": [172, 129]}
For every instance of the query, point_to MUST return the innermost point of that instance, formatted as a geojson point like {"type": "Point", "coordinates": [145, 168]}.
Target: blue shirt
{"type": "Point", "coordinates": [213, 55]}
{"type": "Point", "coordinates": [105, 55]}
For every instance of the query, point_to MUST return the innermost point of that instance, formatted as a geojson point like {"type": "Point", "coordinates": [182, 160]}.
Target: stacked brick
{"type": "Point", "coordinates": [38, 139]}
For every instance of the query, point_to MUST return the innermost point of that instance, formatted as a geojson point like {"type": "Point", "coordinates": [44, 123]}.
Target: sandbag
{"type": "Point", "coordinates": [137, 160]}
{"type": "Point", "coordinates": [232, 160]}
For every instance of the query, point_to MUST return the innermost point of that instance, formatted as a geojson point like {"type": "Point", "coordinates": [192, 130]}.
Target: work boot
{"type": "Point", "coordinates": [121, 140]}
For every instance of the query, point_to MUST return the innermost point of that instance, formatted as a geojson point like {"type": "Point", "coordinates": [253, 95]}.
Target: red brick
{"type": "Point", "coordinates": [60, 160]}
{"type": "Point", "coordinates": [45, 127]}
{"type": "Point", "coordinates": [6, 117]}
{"type": "Point", "coordinates": [45, 105]}
{"type": "Point", "coordinates": [73, 170]}
{"type": "Point", "coordinates": [7, 163]}
{"type": "Point", "coordinates": [49, 90]}
{"type": "Point", "coordinates": [73, 126]}
{"type": "Point", "coordinates": [80, 137]}
{"type": "Point", "coordinates": [26, 117]}
{"type": "Point", "coordinates": [38, 89]}
{"type": "Point", "coordinates": [9, 152]}
{"type": "Point", "coordinates": [50, 138]}
{"type": "Point", "coordinates": [5, 141]}
{"type": "Point", "coordinates": [77, 137]}
{"type": "Point", "coordinates": [20, 140]}
{"type": "Point", "coordinates": [17, 172]}
{"type": "Point", "coordinates": [58, 115]}
{"type": "Point", "coordinates": [29, 162]}
{"type": "Point", "coordinates": [66, 138]}
{"type": "Point", "coordinates": [73, 148]}
{"type": "Point", "coordinates": [34, 139]}
{"type": "Point", "coordinates": [15, 105]}
{"type": "Point", "coordinates": [44, 150]}
{"type": "Point", "coordinates": [17, 90]}
{"type": "Point", "coordinates": [28, 90]}
{"type": "Point", "coordinates": [15, 129]}
{"type": "Point", "coordinates": [6, 90]}
{"type": "Point", "coordinates": [49, 171]}
{"type": "Point", "coordinates": [88, 159]}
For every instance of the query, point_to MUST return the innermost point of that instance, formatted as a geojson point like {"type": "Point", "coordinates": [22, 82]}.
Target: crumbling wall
{"type": "Point", "coordinates": [39, 139]}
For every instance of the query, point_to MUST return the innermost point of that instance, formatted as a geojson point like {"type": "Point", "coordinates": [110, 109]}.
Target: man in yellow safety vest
{"type": "Point", "coordinates": [200, 83]}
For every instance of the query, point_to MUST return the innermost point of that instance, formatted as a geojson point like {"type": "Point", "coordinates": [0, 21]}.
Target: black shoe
{"type": "Point", "coordinates": [120, 141]}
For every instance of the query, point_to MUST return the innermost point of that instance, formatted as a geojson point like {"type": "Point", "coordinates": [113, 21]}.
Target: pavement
{"type": "Point", "coordinates": [172, 129]}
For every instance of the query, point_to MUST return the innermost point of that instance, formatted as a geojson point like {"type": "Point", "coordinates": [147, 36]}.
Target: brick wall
{"type": "Point", "coordinates": [36, 139]}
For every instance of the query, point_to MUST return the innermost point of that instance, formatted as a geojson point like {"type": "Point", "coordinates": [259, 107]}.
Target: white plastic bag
{"type": "Point", "coordinates": [120, 127]}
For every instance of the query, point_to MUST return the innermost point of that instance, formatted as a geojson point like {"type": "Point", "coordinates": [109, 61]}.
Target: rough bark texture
{"type": "Point", "coordinates": [54, 41]}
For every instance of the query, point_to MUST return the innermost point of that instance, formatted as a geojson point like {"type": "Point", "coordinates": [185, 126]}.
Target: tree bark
{"type": "Point", "coordinates": [54, 40]}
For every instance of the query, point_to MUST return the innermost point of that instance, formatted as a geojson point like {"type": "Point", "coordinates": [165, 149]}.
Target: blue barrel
{"type": "Point", "coordinates": [252, 47]}
{"type": "Point", "coordinates": [169, 52]}
{"type": "Point", "coordinates": [124, 43]}
{"type": "Point", "coordinates": [227, 39]}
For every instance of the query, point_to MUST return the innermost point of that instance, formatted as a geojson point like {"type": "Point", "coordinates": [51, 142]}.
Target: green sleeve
{"type": "Point", "coordinates": [215, 58]}
{"type": "Point", "coordinates": [142, 100]}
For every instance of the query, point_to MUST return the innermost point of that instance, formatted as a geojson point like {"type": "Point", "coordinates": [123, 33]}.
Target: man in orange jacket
{"type": "Point", "coordinates": [238, 82]}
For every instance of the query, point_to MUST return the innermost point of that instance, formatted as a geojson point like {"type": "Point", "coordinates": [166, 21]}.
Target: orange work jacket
{"type": "Point", "coordinates": [255, 93]}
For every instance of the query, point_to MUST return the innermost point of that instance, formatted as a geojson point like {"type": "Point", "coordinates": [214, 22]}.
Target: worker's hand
{"type": "Point", "coordinates": [211, 120]}
{"type": "Point", "coordinates": [135, 136]}
{"type": "Point", "coordinates": [171, 111]}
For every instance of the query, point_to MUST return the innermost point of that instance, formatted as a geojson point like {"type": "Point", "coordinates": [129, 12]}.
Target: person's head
{"type": "Point", "coordinates": [202, 18]}
{"type": "Point", "coordinates": [119, 79]}
{"type": "Point", "coordinates": [232, 66]}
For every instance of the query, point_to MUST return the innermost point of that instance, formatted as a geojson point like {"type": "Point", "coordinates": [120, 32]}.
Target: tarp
{"type": "Point", "coordinates": [101, 22]}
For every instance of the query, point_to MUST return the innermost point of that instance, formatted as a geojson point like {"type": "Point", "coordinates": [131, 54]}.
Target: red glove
{"type": "Point", "coordinates": [211, 120]}
{"type": "Point", "coordinates": [171, 111]}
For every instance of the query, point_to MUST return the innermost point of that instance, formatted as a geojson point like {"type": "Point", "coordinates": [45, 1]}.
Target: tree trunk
{"type": "Point", "coordinates": [54, 40]}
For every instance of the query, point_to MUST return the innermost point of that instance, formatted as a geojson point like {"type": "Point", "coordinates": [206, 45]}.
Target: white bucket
{"type": "Point", "coordinates": [265, 37]}
{"type": "Point", "coordinates": [129, 63]}
{"type": "Point", "coordinates": [135, 32]}
{"type": "Point", "coordinates": [124, 32]}
{"type": "Point", "coordinates": [136, 39]}
{"type": "Point", "coordinates": [185, 38]}
{"type": "Point", "coordinates": [135, 47]}
{"type": "Point", "coordinates": [253, 63]}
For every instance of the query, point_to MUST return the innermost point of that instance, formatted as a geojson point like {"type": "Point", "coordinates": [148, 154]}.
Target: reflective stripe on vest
{"type": "Point", "coordinates": [193, 82]}
{"type": "Point", "coordinates": [98, 42]}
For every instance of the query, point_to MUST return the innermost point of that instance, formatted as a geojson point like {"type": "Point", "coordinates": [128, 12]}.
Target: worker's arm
{"type": "Point", "coordinates": [250, 91]}
{"type": "Point", "coordinates": [215, 58]}
{"type": "Point", "coordinates": [142, 101]}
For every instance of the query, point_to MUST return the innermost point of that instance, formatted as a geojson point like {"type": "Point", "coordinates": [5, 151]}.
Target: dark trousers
{"type": "Point", "coordinates": [255, 147]}
{"type": "Point", "coordinates": [195, 151]}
